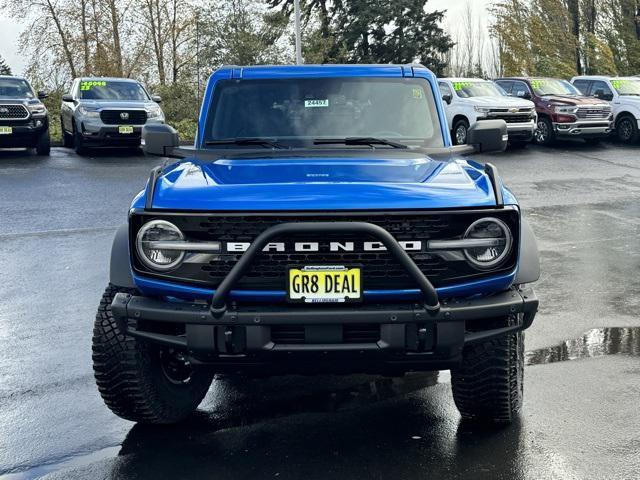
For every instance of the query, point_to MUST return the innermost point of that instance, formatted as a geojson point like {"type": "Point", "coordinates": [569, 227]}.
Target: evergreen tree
{"type": "Point", "coordinates": [4, 67]}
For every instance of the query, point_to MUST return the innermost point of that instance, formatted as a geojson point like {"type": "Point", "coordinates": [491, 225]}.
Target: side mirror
{"type": "Point", "coordinates": [603, 96]}
{"type": "Point", "coordinates": [488, 136]}
{"type": "Point", "coordinates": [523, 94]}
{"type": "Point", "coordinates": [67, 97]}
{"type": "Point", "coordinates": [156, 98]}
{"type": "Point", "coordinates": [447, 98]}
{"type": "Point", "coordinates": [159, 139]}
{"type": "Point", "coordinates": [42, 95]}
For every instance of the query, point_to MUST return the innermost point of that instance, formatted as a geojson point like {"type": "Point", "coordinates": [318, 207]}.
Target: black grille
{"type": "Point", "coordinates": [379, 269]}
{"type": "Point", "coordinates": [114, 117]}
{"type": "Point", "coordinates": [351, 333]}
{"type": "Point", "coordinates": [511, 118]}
{"type": "Point", "coordinates": [10, 112]}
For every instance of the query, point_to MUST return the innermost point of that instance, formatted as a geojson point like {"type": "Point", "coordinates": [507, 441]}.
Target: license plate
{"type": "Point", "coordinates": [125, 130]}
{"type": "Point", "coordinates": [325, 284]}
{"type": "Point", "coordinates": [6, 130]}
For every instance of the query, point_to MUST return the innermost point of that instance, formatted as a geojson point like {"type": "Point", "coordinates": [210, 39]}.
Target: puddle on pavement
{"type": "Point", "coordinates": [594, 343]}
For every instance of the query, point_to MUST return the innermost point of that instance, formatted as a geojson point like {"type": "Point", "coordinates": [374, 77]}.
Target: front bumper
{"type": "Point", "coordinates": [294, 339]}
{"type": "Point", "coordinates": [25, 134]}
{"type": "Point", "coordinates": [583, 129]}
{"type": "Point", "coordinates": [521, 131]}
{"type": "Point", "coordinates": [97, 134]}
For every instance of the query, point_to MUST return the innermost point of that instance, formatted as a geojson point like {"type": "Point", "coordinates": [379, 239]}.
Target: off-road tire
{"type": "Point", "coordinates": [488, 386]}
{"type": "Point", "coordinates": [130, 376]}
{"type": "Point", "coordinates": [544, 134]}
{"type": "Point", "coordinates": [67, 138]}
{"type": "Point", "coordinates": [460, 126]}
{"type": "Point", "coordinates": [627, 129]}
{"type": "Point", "coordinates": [43, 145]}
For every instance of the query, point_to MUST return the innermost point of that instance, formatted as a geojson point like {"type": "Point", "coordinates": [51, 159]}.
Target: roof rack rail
{"type": "Point", "coordinates": [492, 172]}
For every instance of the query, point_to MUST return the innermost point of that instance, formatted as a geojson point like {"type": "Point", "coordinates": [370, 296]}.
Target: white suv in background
{"type": "Point", "coordinates": [624, 95]}
{"type": "Point", "coordinates": [470, 100]}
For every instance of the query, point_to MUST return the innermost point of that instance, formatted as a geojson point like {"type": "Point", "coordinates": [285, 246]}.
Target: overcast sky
{"type": "Point", "coordinates": [10, 29]}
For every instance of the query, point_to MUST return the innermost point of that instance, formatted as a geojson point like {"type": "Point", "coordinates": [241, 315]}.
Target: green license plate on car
{"type": "Point", "coordinates": [6, 130]}
{"type": "Point", "coordinates": [125, 130]}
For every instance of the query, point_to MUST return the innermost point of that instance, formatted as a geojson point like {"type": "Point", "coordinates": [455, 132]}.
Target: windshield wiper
{"type": "Point", "coordinates": [264, 142]}
{"type": "Point", "coordinates": [371, 141]}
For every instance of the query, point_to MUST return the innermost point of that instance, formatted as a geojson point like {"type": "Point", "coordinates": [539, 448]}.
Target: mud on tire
{"type": "Point", "coordinates": [131, 378]}
{"type": "Point", "coordinates": [488, 386]}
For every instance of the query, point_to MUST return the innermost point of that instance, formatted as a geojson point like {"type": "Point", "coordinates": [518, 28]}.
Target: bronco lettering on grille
{"type": "Point", "coordinates": [409, 246]}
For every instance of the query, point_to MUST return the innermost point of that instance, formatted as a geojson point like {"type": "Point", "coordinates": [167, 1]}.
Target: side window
{"type": "Point", "coordinates": [600, 89]}
{"type": "Point", "coordinates": [520, 89]}
{"type": "Point", "coordinates": [444, 89]}
{"type": "Point", "coordinates": [582, 85]}
{"type": "Point", "coordinates": [506, 85]}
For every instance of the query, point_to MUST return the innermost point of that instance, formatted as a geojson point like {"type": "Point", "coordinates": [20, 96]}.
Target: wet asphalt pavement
{"type": "Point", "coordinates": [581, 416]}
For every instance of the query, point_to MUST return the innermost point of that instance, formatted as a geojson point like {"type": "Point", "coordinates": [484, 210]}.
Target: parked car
{"type": "Point", "coordinates": [563, 111]}
{"type": "Point", "coordinates": [470, 100]}
{"type": "Point", "coordinates": [107, 112]}
{"type": "Point", "coordinates": [322, 222]}
{"type": "Point", "coordinates": [24, 120]}
{"type": "Point", "coordinates": [623, 93]}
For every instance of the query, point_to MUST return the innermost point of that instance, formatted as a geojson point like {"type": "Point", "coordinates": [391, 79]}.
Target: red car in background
{"type": "Point", "coordinates": [563, 111]}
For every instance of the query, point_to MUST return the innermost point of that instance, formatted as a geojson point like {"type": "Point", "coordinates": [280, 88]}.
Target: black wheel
{"type": "Point", "coordinates": [43, 146]}
{"type": "Point", "coordinates": [627, 129]}
{"type": "Point", "coordinates": [67, 138]}
{"type": "Point", "coordinates": [460, 129]}
{"type": "Point", "coordinates": [544, 134]}
{"type": "Point", "coordinates": [78, 143]}
{"type": "Point", "coordinates": [488, 386]}
{"type": "Point", "coordinates": [140, 381]}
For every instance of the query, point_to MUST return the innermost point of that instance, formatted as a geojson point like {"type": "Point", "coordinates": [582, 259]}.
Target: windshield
{"type": "Point", "coordinates": [478, 89]}
{"type": "Point", "coordinates": [111, 90]}
{"type": "Point", "coordinates": [294, 111]}
{"type": "Point", "coordinates": [15, 88]}
{"type": "Point", "coordinates": [552, 86]}
{"type": "Point", "coordinates": [626, 86]}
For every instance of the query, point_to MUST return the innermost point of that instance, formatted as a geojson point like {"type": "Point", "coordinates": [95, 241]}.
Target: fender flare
{"type": "Point", "coordinates": [120, 265]}
{"type": "Point", "coordinates": [529, 265]}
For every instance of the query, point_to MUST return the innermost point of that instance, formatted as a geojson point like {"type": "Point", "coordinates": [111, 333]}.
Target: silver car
{"type": "Point", "coordinates": [107, 112]}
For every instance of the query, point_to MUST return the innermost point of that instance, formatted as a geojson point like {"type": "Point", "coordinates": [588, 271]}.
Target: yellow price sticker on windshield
{"type": "Point", "coordinates": [457, 86]}
{"type": "Point", "coordinates": [538, 83]}
{"type": "Point", "coordinates": [88, 85]}
{"type": "Point", "coordinates": [417, 93]}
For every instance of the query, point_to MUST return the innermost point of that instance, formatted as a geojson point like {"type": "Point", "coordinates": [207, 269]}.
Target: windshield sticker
{"type": "Point", "coordinates": [417, 93]}
{"type": "Point", "coordinates": [457, 86]}
{"type": "Point", "coordinates": [316, 103]}
{"type": "Point", "coordinates": [88, 85]}
{"type": "Point", "coordinates": [538, 83]}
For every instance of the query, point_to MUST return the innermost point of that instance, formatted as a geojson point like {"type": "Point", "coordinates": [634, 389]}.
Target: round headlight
{"type": "Point", "coordinates": [498, 245]}
{"type": "Point", "coordinates": [150, 234]}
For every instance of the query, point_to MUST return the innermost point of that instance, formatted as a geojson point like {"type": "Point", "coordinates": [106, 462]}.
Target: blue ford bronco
{"type": "Point", "coordinates": [321, 223]}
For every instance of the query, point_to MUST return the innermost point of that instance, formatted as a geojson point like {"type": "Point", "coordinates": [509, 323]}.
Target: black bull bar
{"type": "Point", "coordinates": [449, 317]}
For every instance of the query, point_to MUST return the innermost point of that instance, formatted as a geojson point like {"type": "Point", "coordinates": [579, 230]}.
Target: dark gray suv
{"type": "Point", "coordinates": [107, 112]}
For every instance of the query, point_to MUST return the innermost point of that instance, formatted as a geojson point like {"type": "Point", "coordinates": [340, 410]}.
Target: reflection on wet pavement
{"type": "Point", "coordinates": [595, 343]}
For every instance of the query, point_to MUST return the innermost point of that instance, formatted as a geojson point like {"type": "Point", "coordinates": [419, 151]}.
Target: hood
{"type": "Point", "coordinates": [500, 102]}
{"type": "Point", "coordinates": [569, 100]}
{"type": "Point", "coordinates": [399, 181]}
{"type": "Point", "coordinates": [118, 104]}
